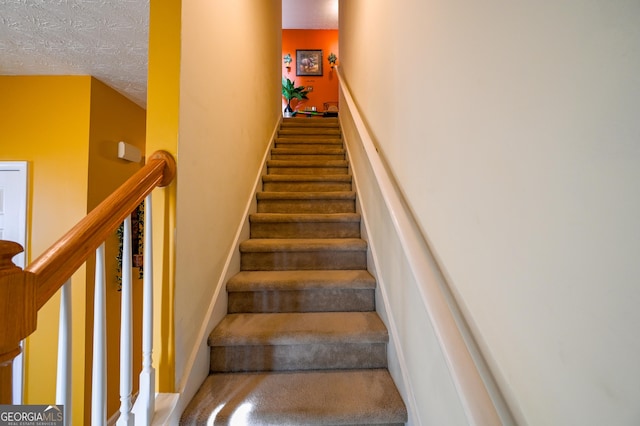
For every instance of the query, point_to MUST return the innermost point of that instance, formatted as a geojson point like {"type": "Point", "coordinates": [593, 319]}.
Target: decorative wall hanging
{"type": "Point", "coordinates": [308, 62]}
{"type": "Point", "coordinates": [137, 244]}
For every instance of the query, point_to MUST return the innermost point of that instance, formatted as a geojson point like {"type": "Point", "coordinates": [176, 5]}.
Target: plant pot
{"type": "Point", "coordinates": [288, 111]}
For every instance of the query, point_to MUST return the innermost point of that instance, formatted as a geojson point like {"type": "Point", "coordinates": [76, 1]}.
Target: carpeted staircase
{"type": "Point", "coordinates": [302, 343]}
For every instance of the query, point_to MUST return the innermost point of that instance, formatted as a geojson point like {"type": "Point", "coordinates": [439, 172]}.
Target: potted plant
{"type": "Point", "coordinates": [287, 61]}
{"type": "Point", "coordinates": [332, 59]}
{"type": "Point", "coordinates": [289, 92]}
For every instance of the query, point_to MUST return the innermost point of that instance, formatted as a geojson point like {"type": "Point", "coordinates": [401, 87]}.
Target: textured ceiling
{"type": "Point", "coordinates": [103, 38]}
{"type": "Point", "coordinates": [107, 39]}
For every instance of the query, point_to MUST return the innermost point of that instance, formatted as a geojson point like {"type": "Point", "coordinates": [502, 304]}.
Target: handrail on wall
{"type": "Point", "coordinates": [481, 399]}
{"type": "Point", "coordinates": [23, 293]}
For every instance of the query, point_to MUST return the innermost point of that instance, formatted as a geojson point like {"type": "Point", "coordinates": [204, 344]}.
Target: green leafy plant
{"type": "Point", "coordinates": [332, 58]}
{"type": "Point", "coordinates": [287, 59]}
{"type": "Point", "coordinates": [290, 91]}
{"type": "Point", "coordinates": [138, 229]}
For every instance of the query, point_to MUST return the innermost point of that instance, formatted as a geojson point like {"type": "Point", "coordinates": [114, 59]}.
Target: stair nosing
{"type": "Point", "coordinates": [306, 195]}
{"type": "Point", "coordinates": [307, 163]}
{"type": "Point", "coordinates": [308, 178]}
{"type": "Point", "coordinates": [250, 281]}
{"type": "Point", "coordinates": [298, 329]}
{"type": "Point", "coordinates": [304, 217]}
{"type": "Point", "coordinates": [307, 245]}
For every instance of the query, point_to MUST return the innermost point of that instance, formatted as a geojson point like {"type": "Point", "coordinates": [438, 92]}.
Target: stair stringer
{"type": "Point", "coordinates": [197, 368]}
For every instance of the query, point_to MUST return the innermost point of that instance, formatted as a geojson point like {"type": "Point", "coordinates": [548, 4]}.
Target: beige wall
{"type": "Point", "coordinates": [229, 106]}
{"type": "Point", "coordinates": [512, 129]}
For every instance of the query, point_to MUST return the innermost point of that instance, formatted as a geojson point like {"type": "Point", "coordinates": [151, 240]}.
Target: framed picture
{"type": "Point", "coordinates": [308, 62]}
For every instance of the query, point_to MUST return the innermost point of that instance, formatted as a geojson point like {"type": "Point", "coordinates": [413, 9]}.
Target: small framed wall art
{"type": "Point", "coordinates": [308, 62]}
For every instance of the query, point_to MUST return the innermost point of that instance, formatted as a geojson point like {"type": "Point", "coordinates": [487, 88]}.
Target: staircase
{"type": "Point", "coordinates": [302, 343]}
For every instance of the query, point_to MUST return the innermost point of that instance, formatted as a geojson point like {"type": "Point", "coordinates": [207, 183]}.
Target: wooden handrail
{"type": "Point", "coordinates": [56, 265]}
{"type": "Point", "coordinates": [24, 292]}
{"type": "Point", "coordinates": [481, 398]}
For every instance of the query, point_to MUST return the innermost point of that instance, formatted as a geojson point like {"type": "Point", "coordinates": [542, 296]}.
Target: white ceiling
{"type": "Point", "coordinates": [310, 14]}
{"type": "Point", "coordinates": [105, 38]}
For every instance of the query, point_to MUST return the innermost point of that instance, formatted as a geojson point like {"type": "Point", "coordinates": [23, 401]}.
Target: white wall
{"type": "Point", "coordinates": [513, 131]}
{"type": "Point", "coordinates": [229, 106]}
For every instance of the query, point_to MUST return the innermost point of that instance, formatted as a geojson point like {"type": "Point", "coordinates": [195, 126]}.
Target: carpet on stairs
{"type": "Point", "coordinates": [301, 343]}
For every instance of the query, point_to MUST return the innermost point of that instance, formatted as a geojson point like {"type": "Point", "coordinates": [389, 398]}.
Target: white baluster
{"type": "Point", "coordinates": [99, 371]}
{"type": "Point", "coordinates": [126, 340]}
{"type": "Point", "coordinates": [63, 380]}
{"type": "Point", "coordinates": [146, 396]}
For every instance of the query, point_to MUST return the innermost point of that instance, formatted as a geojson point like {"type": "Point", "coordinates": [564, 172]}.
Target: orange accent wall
{"type": "Point", "coordinates": [325, 87]}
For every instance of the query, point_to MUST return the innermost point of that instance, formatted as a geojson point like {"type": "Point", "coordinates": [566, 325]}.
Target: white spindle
{"type": "Point", "coordinates": [99, 370]}
{"type": "Point", "coordinates": [63, 381]}
{"type": "Point", "coordinates": [126, 324]}
{"type": "Point", "coordinates": [146, 395]}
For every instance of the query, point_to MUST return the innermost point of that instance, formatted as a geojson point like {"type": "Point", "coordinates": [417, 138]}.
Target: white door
{"type": "Point", "coordinates": [13, 227]}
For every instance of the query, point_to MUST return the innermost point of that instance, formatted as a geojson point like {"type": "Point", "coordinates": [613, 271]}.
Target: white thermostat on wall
{"type": "Point", "coordinates": [129, 152]}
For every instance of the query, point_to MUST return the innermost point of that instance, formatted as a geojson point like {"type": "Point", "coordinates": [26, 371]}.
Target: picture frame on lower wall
{"type": "Point", "coordinates": [308, 62]}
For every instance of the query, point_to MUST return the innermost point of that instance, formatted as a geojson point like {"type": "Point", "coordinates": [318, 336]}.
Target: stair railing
{"type": "Point", "coordinates": [479, 394]}
{"type": "Point", "coordinates": [24, 292]}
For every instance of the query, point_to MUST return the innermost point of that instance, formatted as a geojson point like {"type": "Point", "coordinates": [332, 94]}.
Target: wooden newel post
{"type": "Point", "coordinates": [18, 312]}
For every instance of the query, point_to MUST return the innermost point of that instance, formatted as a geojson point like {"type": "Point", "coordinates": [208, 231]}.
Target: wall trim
{"type": "Point", "coordinates": [481, 398]}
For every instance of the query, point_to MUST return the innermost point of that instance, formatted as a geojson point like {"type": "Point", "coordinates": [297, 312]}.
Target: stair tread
{"type": "Point", "coordinates": [307, 178]}
{"type": "Point", "coordinates": [298, 328]}
{"type": "Point", "coordinates": [300, 280]}
{"type": "Point", "coordinates": [303, 217]}
{"type": "Point", "coordinates": [307, 163]}
{"type": "Point", "coordinates": [308, 150]}
{"type": "Point", "coordinates": [312, 130]}
{"type": "Point", "coordinates": [299, 139]}
{"type": "Point", "coordinates": [306, 122]}
{"type": "Point", "coordinates": [295, 398]}
{"type": "Point", "coordinates": [258, 245]}
{"type": "Point", "coordinates": [290, 195]}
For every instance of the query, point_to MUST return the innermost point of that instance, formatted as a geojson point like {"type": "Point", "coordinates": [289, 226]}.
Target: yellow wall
{"type": "Point", "coordinates": [68, 129]}
{"type": "Point", "coordinates": [163, 88]}
{"type": "Point", "coordinates": [114, 118]}
{"type": "Point", "coordinates": [45, 121]}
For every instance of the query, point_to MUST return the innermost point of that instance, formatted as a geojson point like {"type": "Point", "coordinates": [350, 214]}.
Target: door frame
{"type": "Point", "coordinates": [22, 167]}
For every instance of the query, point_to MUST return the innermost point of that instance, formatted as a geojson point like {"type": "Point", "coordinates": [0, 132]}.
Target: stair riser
{"type": "Point", "coordinates": [305, 230]}
{"type": "Point", "coordinates": [316, 146]}
{"type": "Point", "coordinates": [320, 356]}
{"type": "Point", "coordinates": [306, 186]}
{"type": "Point", "coordinates": [317, 260]}
{"type": "Point", "coordinates": [307, 132]}
{"type": "Point", "coordinates": [331, 124]}
{"type": "Point", "coordinates": [308, 170]}
{"type": "Point", "coordinates": [306, 206]}
{"type": "Point", "coordinates": [316, 300]}
{"type": "Point", "coordinates": [307, 157]}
